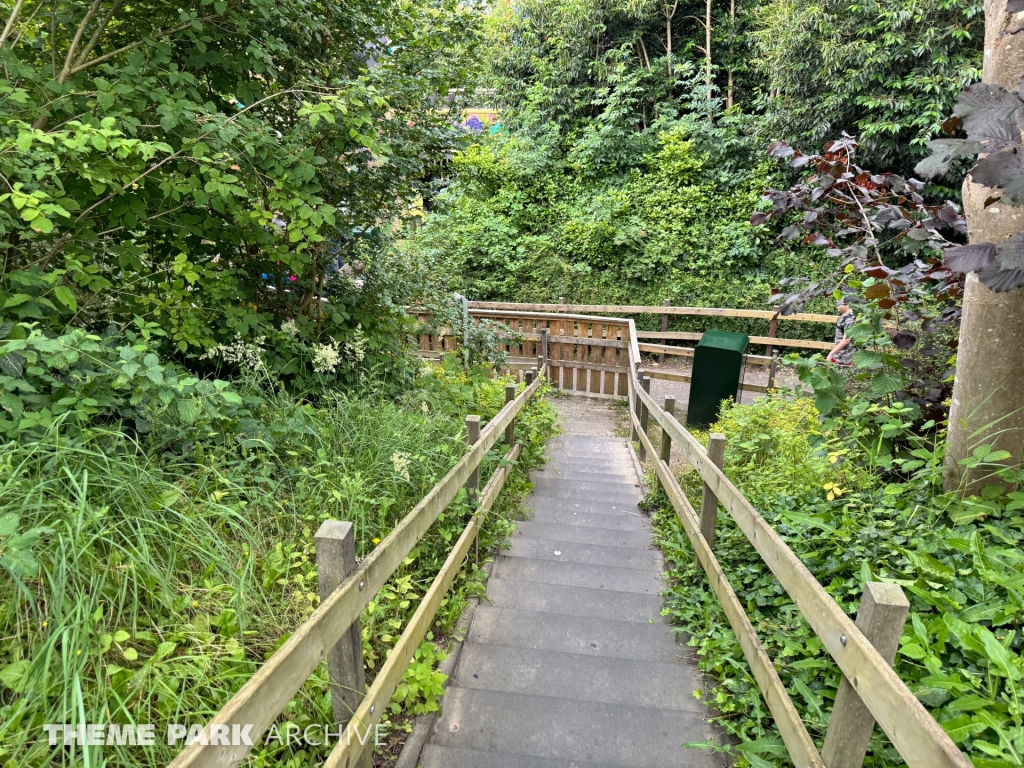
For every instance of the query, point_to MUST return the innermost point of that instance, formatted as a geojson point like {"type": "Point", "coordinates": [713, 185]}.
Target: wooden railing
{"type": "Point", "coordinates": [665, 311]}
{"type": "Point", "coordinates": [327, 633]}
{"type": "Point", "coordinates": [871, 691]}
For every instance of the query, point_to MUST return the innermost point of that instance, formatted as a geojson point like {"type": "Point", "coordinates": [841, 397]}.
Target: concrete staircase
{"type": "Point", "coordinates": [570, 663]}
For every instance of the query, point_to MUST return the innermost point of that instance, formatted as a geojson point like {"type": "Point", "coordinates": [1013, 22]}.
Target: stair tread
{"type": "Point", "coordinates": [562, 729]}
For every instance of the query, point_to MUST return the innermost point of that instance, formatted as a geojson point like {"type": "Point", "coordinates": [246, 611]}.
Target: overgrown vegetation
{"type": "Point", "coordinates": [859, 498]}
{"type": "Point", "coordinates": [146, 586]}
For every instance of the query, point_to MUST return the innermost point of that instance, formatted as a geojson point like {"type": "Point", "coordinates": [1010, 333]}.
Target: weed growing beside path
{"type": "Point", "coordinates": [148, 589]}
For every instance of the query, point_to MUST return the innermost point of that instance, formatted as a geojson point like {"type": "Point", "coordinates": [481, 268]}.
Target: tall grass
{"type": "Point", "coordinates": [164, 582]}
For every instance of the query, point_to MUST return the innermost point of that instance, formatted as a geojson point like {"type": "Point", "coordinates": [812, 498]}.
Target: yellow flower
{"type": "Point", "coordinates": [78, 652]}
{"type": "Point", "coordinates": [376, 541]}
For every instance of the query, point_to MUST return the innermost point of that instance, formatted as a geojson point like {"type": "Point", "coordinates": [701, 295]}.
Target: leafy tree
{"type": "Point", "coordinates": [210, 165]}
{"type": "Point", "coordinates": [887, 71]}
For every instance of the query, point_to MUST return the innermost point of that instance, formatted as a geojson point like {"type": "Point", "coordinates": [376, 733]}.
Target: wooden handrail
{"type": "Point", "coordinates": [794, 733]}
{"type": "Point", "coordinates": [265, 695]}
{"type": "Point", "coordinates": [918, 738]}
{"type": "Point", "coordinates": [629, 309]}
{"type": "Point", "coordinates": [374, 704]}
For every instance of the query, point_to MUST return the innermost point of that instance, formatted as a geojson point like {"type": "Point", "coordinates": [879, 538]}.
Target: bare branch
{"type": "Point", "coordinates": [65, 71]}
{"type": "Point", "coordinates": [12, 22]}
{"type": "Point", "coordinates": [95, 39]}
{"type": "Point", "coordinates": [136, 44]}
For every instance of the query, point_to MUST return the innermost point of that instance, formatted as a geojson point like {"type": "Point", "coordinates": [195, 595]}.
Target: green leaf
{"type": "Point", "coordinates": [66, 297]}
{"type": "Point", "coordinates": [16, 675]}
{"type": "Point", "coordinates": [962, 728]}
{"type": "Point", "coordinates": [998, 655]}
{"type": "Point", "coordinates": [9, 524]}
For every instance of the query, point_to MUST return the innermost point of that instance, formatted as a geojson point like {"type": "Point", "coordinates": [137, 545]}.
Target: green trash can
{"type": "Point", "coordinates": [717, 375]}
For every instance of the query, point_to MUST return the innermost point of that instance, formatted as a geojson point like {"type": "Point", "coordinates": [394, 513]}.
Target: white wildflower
{"type": "Point", "coordinates": [400, 461]}
{"type": "Point", "coordinates": [290, 329]}
{"type": "Point", "coordinates": [240, 353]}
{"type": "Point", "coordinates": [356, 348]}
{"type": "Point", "coordinates": [425, 407]}
{"type": "Point", "coordinates": [326, 357]}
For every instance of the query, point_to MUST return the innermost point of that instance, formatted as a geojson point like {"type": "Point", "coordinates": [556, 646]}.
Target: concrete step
{"type": "Point", "coordinates": [610, 466]}
{"type": "Point", "coordinates": [574, 634]}
{"type": "Point", "coordinates": [593, 440]}
{"type": "Point", "coordinates": [554, 490]}
{"type": "Point", "coordinates": [594, 554]}
{"type": "Point", "coordinates": [600, 506]}
{"type": "Point", "coordinates": [605, 537]}
{"type": "Point", "coordinates": [614, 521]}
{"type": "Point", "coordinates": [565, 730]}
{"type": "Point", "coordinates": [618, 452]}
{"type": "Point", "coordinates": [574, 676]}
{"type": "Point", "coordinates": [578, 575]}
{"type": "Point", "coordinates": [454, 757]}
{"type": "Point", "coordinates": [596, 461]}
{"type": "Point", "coordinates": [543, 485]}
{"type": "Point", "coordinates": [640, 608]}
{"type": "Point", "coordinates": [583, 478]}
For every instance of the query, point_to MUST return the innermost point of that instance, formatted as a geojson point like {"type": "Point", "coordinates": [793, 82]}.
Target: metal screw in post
{"type": "Point", "coordinates": [510, 430]}
{"type": "Point", "coordinates": [473, 483]}
{"type": "Point", "coordinates": [666, 441]}
{"type": "Point", "coordinates": [644, 414]}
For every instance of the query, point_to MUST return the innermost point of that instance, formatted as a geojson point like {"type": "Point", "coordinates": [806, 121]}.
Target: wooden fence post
{"type": "Point", "coordinates": [473, 483]}
{"type": "Point", "coordinates": [664, 329]}
{"type": "Point", "coordinates": [335, 560]}
{"type": "Point", "coordinates": [772, 369]}
{"type": "Point", "coordinates": [773, 329]}
{"type": "Point", "coordinates": [666, 441]}
{"type": "Point", "coordinates": [645, 414]}
{"type": "Point", "coordinates": [544, 351]}
{"type": "Point", "coordinates": [633, 434]}
{"type": "Point", "coordinates": [510, 430]}
{"type": "Point", "coordinates": [528, 378]}
{"type": "Point", "coordinates": [881, 616]}
{"type": "Point", "coordinates": [708, 501]}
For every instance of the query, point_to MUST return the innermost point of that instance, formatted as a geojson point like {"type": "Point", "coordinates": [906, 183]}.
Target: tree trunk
{"type": "Point", "coordinates": [988, 393]}
{"type": "Point", "coordinates": [707, 44]}
{"type": "Point", "coordinates": [732, 34]}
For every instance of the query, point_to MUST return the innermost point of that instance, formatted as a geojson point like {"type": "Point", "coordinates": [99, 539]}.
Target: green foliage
{"type": "Point", "coordinates": [143, 585]}
{"type": "Point", "coordinates": [210, 166]}
{"type": "Point", "coordinates": [888, 72]}
{"type": "Point", "coordinates": [521, 223]}
{"type": "Point", "coordinates": [423, 684]}
{"type": "Point", "coordinates": [852, 519]}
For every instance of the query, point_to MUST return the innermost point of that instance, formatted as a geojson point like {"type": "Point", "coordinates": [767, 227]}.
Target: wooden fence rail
{"type": "Point", "coordinates": [528, 322]}
{"type": "Point", "coordinates": [261, 700]}
{"type": "Point", "coordinates": [917, 737]}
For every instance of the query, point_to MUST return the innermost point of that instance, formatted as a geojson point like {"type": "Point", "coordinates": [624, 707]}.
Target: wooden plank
{"type": "Point", "coordinates": [917, 737]}
{"type": "Point", "coordinates": [686, 379]}
{"type": "Point", "coordinates": [265, 695]}
{"type": "Point", "coordinates": [796, 343]}
{"type": "Point", "coordinates": [352, 744]}
{"type": "Point", "coordinates": [628, 309]}
{"type": "Point", "coordinates": [798, 742]}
